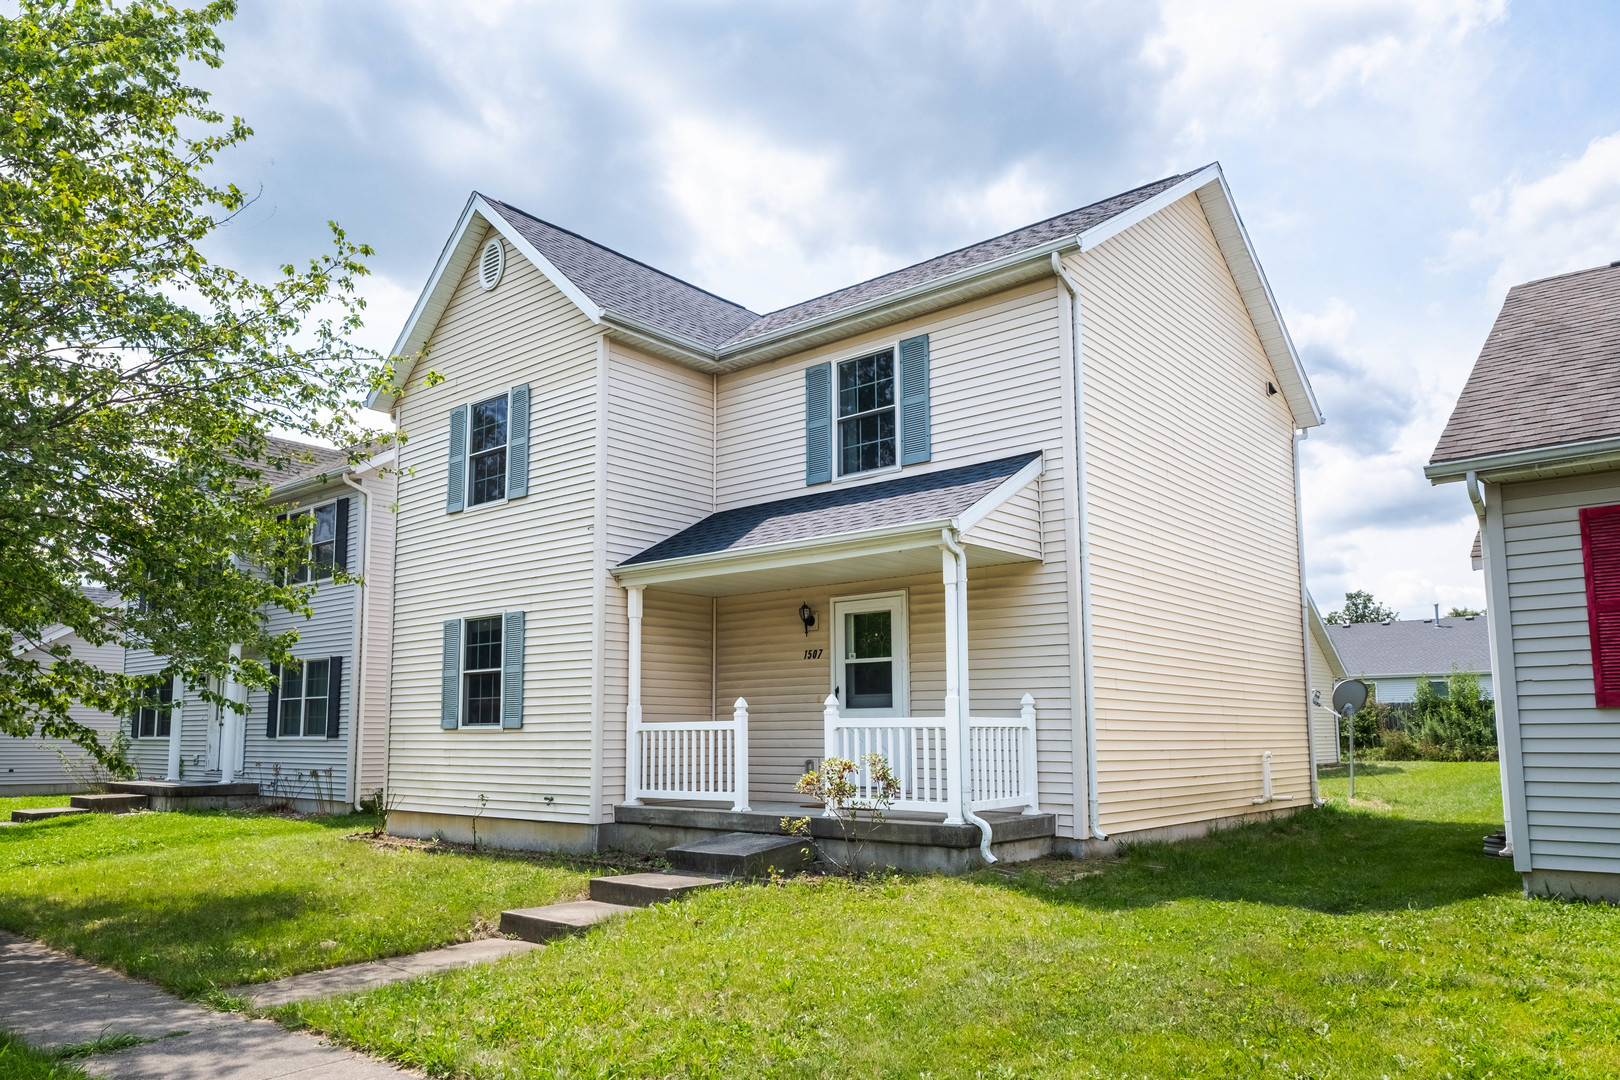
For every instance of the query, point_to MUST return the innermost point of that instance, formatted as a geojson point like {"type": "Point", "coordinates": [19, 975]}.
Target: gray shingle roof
{"type": "Point", "coordinates": [907, 500]}
{"type": "Point", "coordinates": [1413, 647]}
{"type": "Point", "coordinates": [1549, 372]}
{"type": "Point", "coordinates": [621, 284]}
{"type": "Point", "coordinates": [287, 460]}
{"type": "Point", "coordinates": [625, 286]}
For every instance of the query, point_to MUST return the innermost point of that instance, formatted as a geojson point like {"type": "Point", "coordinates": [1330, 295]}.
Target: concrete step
{"type": "Point", "coordinates": [40, 813]}
{"type": "Point", "coordinates": [111, 803]}
{"type": "Point", "coordinates": [744, 855]}
{"type": "Point", "coordinates": [644, 890]}
{"type": "Point", "coordinates": [557, 920]}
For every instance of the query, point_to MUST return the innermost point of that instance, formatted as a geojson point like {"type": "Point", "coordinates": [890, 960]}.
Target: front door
{"type": "Point", "coordinates": [869, 655]}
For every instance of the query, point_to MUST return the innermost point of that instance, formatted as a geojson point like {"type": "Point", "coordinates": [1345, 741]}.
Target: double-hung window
{"type": "Point", "coordinates": [153, 720]}
{"type": "Point", "coordinates": [328, 537]}
{"type": "Point", "coordinates": [486, 453]}
{"type": "Point", "coordinates": [866, 404]}
{"type": "Point", "coordinates": [305, 693]}
{"type": "Point", "coordinates": [481, 672]}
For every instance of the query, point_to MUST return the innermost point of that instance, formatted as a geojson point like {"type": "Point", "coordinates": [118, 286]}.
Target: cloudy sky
{"type": "Point", "coordinates": [1399, 165]}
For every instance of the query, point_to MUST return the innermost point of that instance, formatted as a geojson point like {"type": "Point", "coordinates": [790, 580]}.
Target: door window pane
{"type": "Point", "coordinates": [871, 684]}
{"type": "Point", "coordinates": [868, 635]}
{"type": "Point", "coordinates": [868, 663]}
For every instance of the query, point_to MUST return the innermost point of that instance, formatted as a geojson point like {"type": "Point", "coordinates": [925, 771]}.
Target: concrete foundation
{"type": "Point", "coordinates": [1088, 847]}
{"type": "Point", "coordinates": [1573, 885]}
{"type": "Point", "coordinates": [513, 833]}
{"type": "Point", "coordinates": [185, 795]}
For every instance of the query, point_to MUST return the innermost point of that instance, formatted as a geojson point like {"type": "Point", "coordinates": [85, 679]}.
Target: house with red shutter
{"type": "Point", "coordinates": [1535, 437]}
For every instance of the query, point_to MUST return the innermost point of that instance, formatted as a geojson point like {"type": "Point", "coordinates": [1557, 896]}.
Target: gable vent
{"type": "Point", "coordinates": [490, 263]}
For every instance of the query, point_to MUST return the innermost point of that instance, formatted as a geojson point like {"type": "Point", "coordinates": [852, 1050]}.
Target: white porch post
{"type": "Point", "coordinates": [1031, 773]}
{"type": "Point", "coordinates": [632, 712]}
{"type": "Point", "coordinates": [955, 696]}
{"type": "Point", "coordinates": [235, 726]}
{"type": "Point", "coordinates": [829, 735]}
{"type": "Point", "coordinates": [174, 744]}
{"type": "Point", "coordinates": [739, 720]}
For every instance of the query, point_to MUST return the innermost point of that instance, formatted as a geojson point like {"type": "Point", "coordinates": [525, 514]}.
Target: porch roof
{"type": "Point", "coordinates": [872, 530]}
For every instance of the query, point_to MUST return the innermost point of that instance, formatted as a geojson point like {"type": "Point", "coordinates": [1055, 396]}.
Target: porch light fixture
{"type": "Point", "coordinates": [807, 617]}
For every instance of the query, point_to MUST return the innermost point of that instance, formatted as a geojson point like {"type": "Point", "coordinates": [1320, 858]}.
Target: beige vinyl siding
{"type": "Point", "coordinates": [996, 389]}
{"type": "Point", "coordinates": [535, 554]}
{"type": "Point", "coordinates": [659, 479]}
{"type": "Point", "coordinates": [33, 764]}
{"type": "Point", "coordinates": [378, 613]}
{"type": "Point", "coordinates": [1014, 526]}
{"type": "Point", "coordinates": [1326, 734]}
{"type": "Point", "coordinates": [1199, 662]}
{"type": "Point", "coordinates": [1571, 748]}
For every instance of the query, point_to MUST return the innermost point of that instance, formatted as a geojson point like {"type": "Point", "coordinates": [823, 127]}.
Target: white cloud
{"type": "Point", "coordinates": [1568, 219]}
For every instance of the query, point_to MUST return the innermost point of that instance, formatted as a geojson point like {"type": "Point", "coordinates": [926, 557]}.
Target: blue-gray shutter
{"type": "Point", "coordinates": [135, 721]}
{"type": "Point", "coordinates": [274, 718]}
{"type": "Point", "coordinates": [517, 443]}
{"type": "Point", "coordinates": [455, 498]}
{"type": "Point", "coordinates": [916, 442]}
{"type": "Point", "coordinates": [512, 671]}
{"type": "Point", "coordinates": [818, 424]}
{"type": "Point", "coordinates": [450, 693]}
{"type": "Point", "coordinates": [334, 695]}
{"type": "Point", "coordinates": [340, 538]}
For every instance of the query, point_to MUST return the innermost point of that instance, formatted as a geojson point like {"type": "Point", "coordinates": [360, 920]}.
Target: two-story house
{"type": "Point", "coordinates": [317, 740]}
{"type": "Point", "coordinates": [1023, 518]}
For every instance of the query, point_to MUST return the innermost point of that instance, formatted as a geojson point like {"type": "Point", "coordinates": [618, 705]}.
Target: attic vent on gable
{"type": "Point", "coordinates": [491, 262]}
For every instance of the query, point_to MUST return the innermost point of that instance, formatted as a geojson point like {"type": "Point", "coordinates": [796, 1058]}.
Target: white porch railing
{"type": "Point", "coordinates": [999, 762]}
{"type": "Point", "coordinates": [705, 760]}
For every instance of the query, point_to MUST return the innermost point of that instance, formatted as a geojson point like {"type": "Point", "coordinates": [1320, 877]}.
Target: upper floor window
{"type": "Point", "coordinates": [866, 404]}
{"type": "Point", "coordinates": [481, 672]}
{"type": "Point", "coordinates": [486, 454]}
{"type": "Point", "coordinates": [153, 720]}
{"type": "Point", "coordinates": [305, 690]}
{"type": "Point", "coordinates": [323, 542]}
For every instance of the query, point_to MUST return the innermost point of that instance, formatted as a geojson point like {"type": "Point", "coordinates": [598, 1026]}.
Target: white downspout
{"type": "Point", "coordinates": [1083, 530]}
{"type": "Point", "coordinates": [356, 713]}
{"type": "Point", "coordinates": [964, 787]}
{"type": "Point", "coordinates": [1477, 497]}
{"type": "Point", "coordinates": [1305, 627]}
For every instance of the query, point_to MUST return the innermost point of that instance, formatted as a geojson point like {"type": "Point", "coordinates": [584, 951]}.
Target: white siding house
{"type": "Point", "coordinates": [657, 553]}
{"type": "Point", "coordinates": [1396, 655]}
{"type": "Point", "coordinates": [1535, 438]}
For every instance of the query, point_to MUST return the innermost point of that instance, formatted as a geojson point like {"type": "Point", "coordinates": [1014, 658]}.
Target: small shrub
{"type": "Point", "coordinates": [1399, 746]}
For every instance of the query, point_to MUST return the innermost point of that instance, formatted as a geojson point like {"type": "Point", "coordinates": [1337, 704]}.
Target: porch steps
{"type": "Point", "coordinates": [110, 803]}
{"type": "Point", "coordinates": [41, 813]}
{"type": "Point", "coordinates": [610, 896]}
{"type": "Point", "coordinates": [744, 855]}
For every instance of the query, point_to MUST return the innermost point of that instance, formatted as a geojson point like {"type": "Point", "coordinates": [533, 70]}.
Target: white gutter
{"type": "Point", "coordinates": [1093, 802]}
{"type": "Point", "coordinates": [964, 712]}
{"type": "Point", "coordinates": [1510, 465]}
{"type": "Point", "coordinates": [1304, 628]}
{"type": "Point", "coordinates": [356, 665]}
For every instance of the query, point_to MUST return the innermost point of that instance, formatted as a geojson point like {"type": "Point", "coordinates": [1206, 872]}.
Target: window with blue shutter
{"type": "Point", "coordinates": [916, 442]}
{"type": "Point", "coordinates": [512, 672]}
{"type": "Point", "coordinates": [818, 424]}
{"type": "Point", "coordinates": [455, 498]}
{"type": "Point", "coordinates": [450, 691]}
{"type": "Point", "coordinates": [517, 458]}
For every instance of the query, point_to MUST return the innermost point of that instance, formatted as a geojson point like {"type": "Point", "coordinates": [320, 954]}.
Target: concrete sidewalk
{"type": "Point", "coordinates": [54, 1000]}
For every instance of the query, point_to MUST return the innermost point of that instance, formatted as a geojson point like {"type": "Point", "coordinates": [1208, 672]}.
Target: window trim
{"type": "Point", "coordinates": [893, 349]}
{"type": "Point", "coordinates": [462, 673]}
{"type": "Point", "coordinates": [309, 549]}
{"type": "Point", "coordinates": [304, 698]}
{"type": "Point", "coordinates": [467, 455]}
{"type": "Point", "coordinates": [898, 600]}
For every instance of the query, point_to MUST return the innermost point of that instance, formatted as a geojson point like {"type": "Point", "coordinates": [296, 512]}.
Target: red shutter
{"type": "Point", "coordinates": [1600, 546]}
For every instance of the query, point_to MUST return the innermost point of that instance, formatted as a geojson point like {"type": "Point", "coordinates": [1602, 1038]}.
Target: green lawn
{"type": "Point", "coordinates": [19, 1061]}
{"type": "Point", "coordinates": [196, 902]}
{"type": "Point", "coordinates": [25, 802]}
{"type": "Point", "coordinates": [1340, 943]}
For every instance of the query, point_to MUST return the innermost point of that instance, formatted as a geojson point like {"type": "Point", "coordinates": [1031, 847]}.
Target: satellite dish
{"type": "Point", "coordinates": [1351, 694]}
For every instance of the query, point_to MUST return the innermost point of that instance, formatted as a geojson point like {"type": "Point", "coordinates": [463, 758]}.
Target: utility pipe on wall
{"type": "Point", "coordinates": [964, 788]}
{"type": "Point", "coordinates": [1305, 627]}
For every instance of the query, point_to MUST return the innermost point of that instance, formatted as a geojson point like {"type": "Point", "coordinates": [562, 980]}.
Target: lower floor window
{"type": "Point", "coordinates": [153, 721]}
{"type": "Point", "coordinates": [481, 672]}
{"type": "Point", "coordinates": [304, 698]}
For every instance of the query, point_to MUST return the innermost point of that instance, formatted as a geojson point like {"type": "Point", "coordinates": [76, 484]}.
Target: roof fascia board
{"type": "Point", "coordinates": [1526, 464]}
{"type": "Point", "coordinates": [1435, 675]}
{"type": "Point", "coordinates": [661, 343]}
{"type": "Point", "coordinates": [1147, 208]}
{"type": "Point", "coordinates": [306, 484]}
{"type": "Point", "coordinates": [56, 633]}
{"type": "Point", "coordinates": [452, 263]}
{"type": "Point", "coordinates": [1324, 640]}
{"type": "Point", "coordinates": [1255, 289]}
{"type": "Point", "coordinates": [998, 497]}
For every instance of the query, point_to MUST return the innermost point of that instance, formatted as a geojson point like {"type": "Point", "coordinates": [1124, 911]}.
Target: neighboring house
{"type": "Point", "coordinates": [635, 513]}
{"type": "Point", "coordinates": [1397, 654]}
{"type": "Point", "coordinates": [300, 741]}
{"type": "Point", "coordinates": [1327, 671]}
{"type": "Point", "coordinates": [35, 766]}
{"type": "Point", "coordinates": [1535, 437]}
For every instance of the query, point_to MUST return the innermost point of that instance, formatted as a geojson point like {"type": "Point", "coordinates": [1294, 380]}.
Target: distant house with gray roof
{"type": "Point", "coordinates": [659, 554]}
{"type": "Point", "coordinates": [1397, 654]}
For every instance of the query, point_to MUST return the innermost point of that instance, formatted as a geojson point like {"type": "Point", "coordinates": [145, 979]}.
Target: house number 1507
{"type": "Point", "coordinates": [812, 654]}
